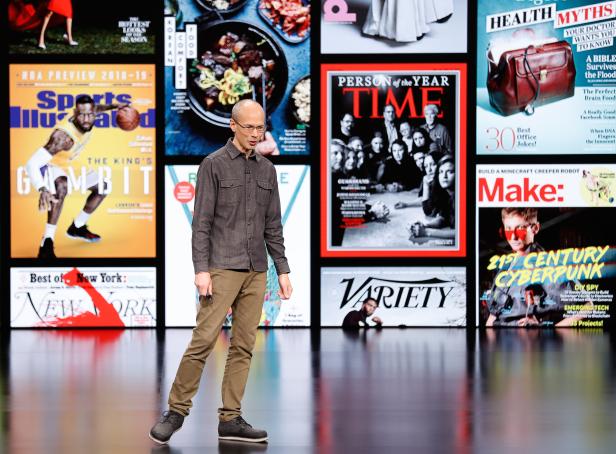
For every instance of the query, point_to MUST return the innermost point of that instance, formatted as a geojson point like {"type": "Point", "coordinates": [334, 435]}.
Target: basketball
{"type": "Point", "coordinates": [127, 118]}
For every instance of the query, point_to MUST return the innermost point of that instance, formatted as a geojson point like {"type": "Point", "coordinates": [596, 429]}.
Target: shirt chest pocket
{"type": "Point", "coordinates": [264, 192]}
{"type": "Point", "coordinates": [230, 191]}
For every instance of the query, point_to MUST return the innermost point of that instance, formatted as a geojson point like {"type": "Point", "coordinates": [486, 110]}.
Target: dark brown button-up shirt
{"type": "Point", "coordinates": [237, 213]}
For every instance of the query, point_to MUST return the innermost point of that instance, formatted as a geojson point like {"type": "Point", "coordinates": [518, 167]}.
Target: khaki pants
{"type": "Point", "coordinates": [243, 291]}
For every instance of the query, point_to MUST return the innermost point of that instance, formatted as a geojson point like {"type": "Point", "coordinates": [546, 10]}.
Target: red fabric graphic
{"type": "Point", "coordinates": [62, 7]}
{"type": "Point", "coordinates": [29, 16]}
{"type": "Point", "coordinates": [105, 315]}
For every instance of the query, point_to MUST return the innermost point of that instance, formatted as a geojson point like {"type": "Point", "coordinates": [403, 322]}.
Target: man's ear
{"type": "Point", "coordinates": [535, 228]}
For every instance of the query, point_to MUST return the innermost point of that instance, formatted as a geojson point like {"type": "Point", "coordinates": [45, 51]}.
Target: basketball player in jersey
{"type": "Point", "coordinates": [47, 169]}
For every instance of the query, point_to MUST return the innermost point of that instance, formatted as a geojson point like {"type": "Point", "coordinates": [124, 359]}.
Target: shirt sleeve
{"type": "Point", "coordinates": [447, 143]}
{"type": "Point", "coordinates": [205, 204]}
{"type": "Point", "coordinates": [274, 240]}
{"type": "Point", "coordinates": [351, 320]}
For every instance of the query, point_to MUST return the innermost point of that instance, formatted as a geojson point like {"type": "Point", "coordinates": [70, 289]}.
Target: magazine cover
{"type": "Point", "coordinates": [546, 236]}
{"type": "Point", "coordinates": [388, 296]}
{"type": "Point", "coordinates": [180, 291]}
{"type": "Point", "coordinates": [82, 153]}
{"type": "Point", "coordinates": [220, 52]}
{"type": "Point", "coordinates": [80, 27]}
{"type": "Point", "coordinates": [83, 297]}
{"type": "Point", "coordinates": [393, 26]}
{"type": "Point", "coordinates": [542, 66]}
{"type": "Point", "coordinates": [393, 153]}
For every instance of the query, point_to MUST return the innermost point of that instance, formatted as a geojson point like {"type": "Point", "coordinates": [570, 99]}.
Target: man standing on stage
{"type": "Point", "coordinates": [237, 215]}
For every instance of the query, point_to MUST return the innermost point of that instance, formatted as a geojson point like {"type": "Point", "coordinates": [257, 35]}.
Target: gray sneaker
{"type": "Point", "coordinates": [170, 422]}
{"type": "Point", "coordinates": [240, 430]}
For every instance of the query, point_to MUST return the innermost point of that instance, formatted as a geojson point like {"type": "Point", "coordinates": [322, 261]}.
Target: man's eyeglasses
{"type": "Point", "coordinates": [373, 306]}
{"type": "Point", "coordinates": [259, 128]}
{"type": "Point", "coordinates": [519, 232]}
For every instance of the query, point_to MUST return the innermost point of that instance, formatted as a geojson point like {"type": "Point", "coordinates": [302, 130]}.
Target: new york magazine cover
{"type": "Point", "coordinates": [82, 297]}
{"type": "Point", "coordinates": [546, 236]}
{"type": "Point", "coordinates": [543, 66]}
{"type": "Point", "coordinates": [393, 159]}
{"type": "Point", "coordinates": [65, 139]}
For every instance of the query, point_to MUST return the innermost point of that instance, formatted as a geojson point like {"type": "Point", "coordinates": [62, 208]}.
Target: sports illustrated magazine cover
{"type": "Point", "coordinates": [294, 189]}
{"type": "Point", "coordinates": [393, 26]}
{"type": "Point", "coordinates": [545, 241]}
{"type": "Point", "coordinates": [427, 296]}
{"type": "Point", "coordinates": [83, 297]}
{"type": "Point", "coordinates": [61, 27]}
{"type": "Point", "coordinates": [82, 153]}
{"type": "Point", "coordinates": [393, 154]}
{"type": "Point", "coordinates": [546, 77]}
{"type": "Point", "coordinates": [220, 52]}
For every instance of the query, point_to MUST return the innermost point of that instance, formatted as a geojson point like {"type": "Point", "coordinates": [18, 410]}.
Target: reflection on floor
{"type": "Point", "coordinates": [389, 391]}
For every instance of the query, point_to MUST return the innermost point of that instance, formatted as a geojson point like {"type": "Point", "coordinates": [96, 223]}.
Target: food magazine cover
{"type": "Point", "coordinates": [220, 52]}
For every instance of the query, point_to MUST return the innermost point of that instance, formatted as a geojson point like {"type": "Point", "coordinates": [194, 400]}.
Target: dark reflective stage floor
{"type": "Point", "coordinates": [390, 391]}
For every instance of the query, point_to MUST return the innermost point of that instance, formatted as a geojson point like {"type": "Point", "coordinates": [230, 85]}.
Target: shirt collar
{"type": "Point", "coordinates": [234, 152]}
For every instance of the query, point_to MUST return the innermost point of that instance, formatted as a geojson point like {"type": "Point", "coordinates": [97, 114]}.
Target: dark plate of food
{"type": "Point", "coordinates": [224, 7]}
{"type": "Point", "coordinates": [290, 18]}
{"type": "Point", "coordinates": [236, 60]}
{"type": "Point", "coordinates": [300, 101]}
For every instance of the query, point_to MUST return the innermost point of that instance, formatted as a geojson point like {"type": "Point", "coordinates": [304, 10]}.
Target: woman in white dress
{"type": "Point", "coordinates": [405, 20]}
{"type": "Point", "coordinates": [400, 20]}
{"type": "Point", "coordinates": [438, 10]}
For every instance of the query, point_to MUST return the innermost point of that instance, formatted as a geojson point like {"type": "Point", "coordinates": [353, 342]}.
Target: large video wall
{"type": "Point", "coordinates": [440, 162]}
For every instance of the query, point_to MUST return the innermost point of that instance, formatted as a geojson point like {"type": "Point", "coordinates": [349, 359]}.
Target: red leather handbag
{"type": "Point", "coordinates": [523, 79]}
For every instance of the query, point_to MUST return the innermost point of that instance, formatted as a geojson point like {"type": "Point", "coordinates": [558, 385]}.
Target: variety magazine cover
{"type": "Point", "coordinates": [393, 159]}
{"type": "Point", "coordinates": [393, 26]}
{"type": "Point", "coordinates": [66, 146]}
{"type": "Point", "coordinates": [542, 67]}
{"type": "Point", "coordinates": [180, 291]}
{"type": "Point", "coordinates": [83, 297]}
{"type": "Point", "coordinates": [427, 296]}
{"type": "Point", "coordinates": [216, 55]}
{"type": "Point", "coordinates": [545, 245]}
{"type": "Point", "coordinates": [80, 27]}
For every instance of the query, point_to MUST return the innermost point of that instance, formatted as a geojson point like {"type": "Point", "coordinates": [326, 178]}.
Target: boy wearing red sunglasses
{"type": "Point", "coordinates": [533, 305]}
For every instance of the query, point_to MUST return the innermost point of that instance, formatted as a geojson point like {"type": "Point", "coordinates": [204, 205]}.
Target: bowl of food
{"type": "Point", "coordinates": [224, 7]}
{"type": "Point", "coordinates": [300, 101]}
{"type": "Point", "coordinates": [236, 60]}
{"type": "Point", "coordinates": [289, 18]}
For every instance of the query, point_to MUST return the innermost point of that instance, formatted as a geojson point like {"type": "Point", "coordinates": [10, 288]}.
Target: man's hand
{"type": "Point", "coordinates": [528, 321]}
{"type": "Point", "coordinates": [377, 320]}
{"type": "Point", "coordinates": [268, 146]}
{"type": "Point", "coordinates": [285, 287]}
{"type": "Point", "coordinates": [416, 229]}
{"type": "Point", "coordinates": [203, 282]}
{"type": "Point", "coordinates": [379, 210]}
{"type": "Point", "coordinates": [393, 187]}
{"type": "Point", "coordinates": [46, 199]}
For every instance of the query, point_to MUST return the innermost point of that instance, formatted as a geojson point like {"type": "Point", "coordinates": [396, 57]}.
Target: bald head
{"type": "Point", "coordinates": [248, 124]}
{"type": "Point", "coordinates": [246, 106]}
